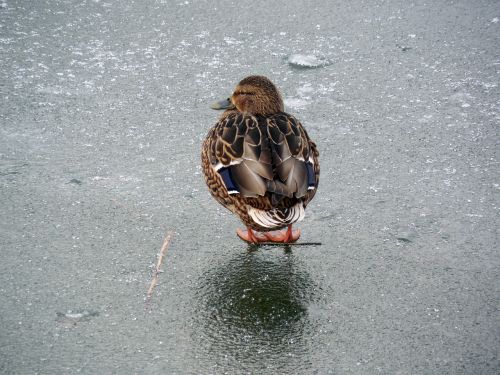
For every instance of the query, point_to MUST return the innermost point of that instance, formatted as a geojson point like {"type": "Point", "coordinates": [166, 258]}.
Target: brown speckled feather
{"type": "Point", "coordinates": [266, 157]}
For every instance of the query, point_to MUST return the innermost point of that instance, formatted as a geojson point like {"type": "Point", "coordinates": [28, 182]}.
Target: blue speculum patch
{"type": "Point", "coordinates": [227, 178]}
{"type": "Point", "coordinates": [311, 180]}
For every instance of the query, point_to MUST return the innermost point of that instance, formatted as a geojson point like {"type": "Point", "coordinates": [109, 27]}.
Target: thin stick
{"type": "Point", "coordinates": [156, 272]}
{"type": "Point", "coordinates": [289, 244]}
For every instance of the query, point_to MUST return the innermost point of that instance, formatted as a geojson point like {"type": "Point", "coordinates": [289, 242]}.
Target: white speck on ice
{"type": "Point", "coordinates": [494, 20]}
{"type": "Point", "coordinates": [203, 34]}
{"type": "Point", "coordinates": [425, 119]}
{"type": "Point", "coordinates": [231, 41]}
{"type": "Point", "coordinates": [129, 178]}
{"type": "Point", "coordinates": [73, 315]}
{"type": "Point", "coordinates": [488, 85]}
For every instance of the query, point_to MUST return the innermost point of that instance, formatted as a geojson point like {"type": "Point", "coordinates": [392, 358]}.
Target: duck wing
{"type": "Point", "coordinates": [294, 155]}
{"type": "Point", "coordinates": [255, 155]}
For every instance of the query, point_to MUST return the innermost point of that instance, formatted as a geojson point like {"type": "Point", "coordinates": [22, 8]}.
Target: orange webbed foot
{"type": "Point", "coordinates": [278, 236]}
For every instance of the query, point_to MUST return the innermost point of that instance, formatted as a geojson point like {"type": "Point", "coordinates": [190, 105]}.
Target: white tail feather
{"type": "Point", "coordinates": [276, 218]}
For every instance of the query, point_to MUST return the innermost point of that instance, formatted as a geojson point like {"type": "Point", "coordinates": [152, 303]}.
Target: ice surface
{"type": "Point", "coordinates": [295, 103]}
{"type": "Point", "coordinates": [104, 105]}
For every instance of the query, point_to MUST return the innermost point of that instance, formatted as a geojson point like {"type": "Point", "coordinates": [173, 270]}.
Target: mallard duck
{"type": "Point", "coordinates": [259, 162]}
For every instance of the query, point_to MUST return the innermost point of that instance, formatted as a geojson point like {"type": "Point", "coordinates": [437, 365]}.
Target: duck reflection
{"type": "Point", "coordinates": [258, 299]}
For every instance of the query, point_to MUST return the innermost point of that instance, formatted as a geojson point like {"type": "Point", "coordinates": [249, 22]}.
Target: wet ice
{"type": "Point", "coordinates": [115, 96]}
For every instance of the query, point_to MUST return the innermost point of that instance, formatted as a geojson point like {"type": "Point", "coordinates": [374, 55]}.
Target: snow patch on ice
{"type": "Point", "coordinates": [461, 98]}
{"type": "Point", "coordinates": [425, 119]}
{"type": "Point", "coordinates": [303, 96]}
{"type": "Point", "coordinates": [487, 85]}
{"type": "Point", "coordinates": [295, 102]}
{"type": "Point", "coordinates": [307, 61]}
{"type": "Point", "coordinates": [305, 89]}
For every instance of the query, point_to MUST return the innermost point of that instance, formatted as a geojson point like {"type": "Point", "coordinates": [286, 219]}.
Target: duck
{"type": "Point", "coordinates": [259, 162]}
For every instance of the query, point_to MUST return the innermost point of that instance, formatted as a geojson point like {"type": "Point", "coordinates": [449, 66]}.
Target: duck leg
{"type": "Point", "coordinates": [283, 236]}
{"type": "Point", "coordinates": [251, 236]}
{"type": "Point", "coordinates": [279, 236]}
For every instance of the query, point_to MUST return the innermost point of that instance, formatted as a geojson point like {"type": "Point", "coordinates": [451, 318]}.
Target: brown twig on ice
{"type": "Point", "coordinates": [157, 270]}
{"type": "Point", "coordinates": [289, 244]}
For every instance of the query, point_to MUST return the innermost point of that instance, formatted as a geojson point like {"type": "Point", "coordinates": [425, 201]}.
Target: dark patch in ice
{"type": "Point", "coordinates": [12, 169]}
{"type": "Point", "coordinates": [255, 296]}
{"type": "Point", "coordinates": [75, 181]}
{"type": "Point", "coordinates": [403, 48]}
{"type": "Point", "coordinates": [9, 173]}
{"type": "Point", "coordinates": [403, 239]}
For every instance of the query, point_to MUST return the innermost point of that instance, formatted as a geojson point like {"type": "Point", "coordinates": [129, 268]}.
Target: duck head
{"type": "Point", "coordinates": [254, 94]}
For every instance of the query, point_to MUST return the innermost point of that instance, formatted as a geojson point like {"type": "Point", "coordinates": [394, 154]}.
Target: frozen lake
{"type": "Point", "coordinates": [104, 107]}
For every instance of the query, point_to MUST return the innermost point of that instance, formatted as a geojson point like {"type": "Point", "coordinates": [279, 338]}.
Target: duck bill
{"type": "Point", "coordinates": [223, 104]}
